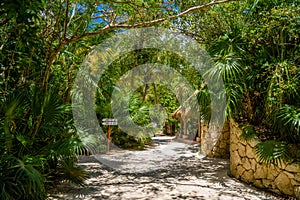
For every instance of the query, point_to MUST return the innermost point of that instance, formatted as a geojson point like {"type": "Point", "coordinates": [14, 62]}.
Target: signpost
{"type": "Point", "coordinates": [109, 122]}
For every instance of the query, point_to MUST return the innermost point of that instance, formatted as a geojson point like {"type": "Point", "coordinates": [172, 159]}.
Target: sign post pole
{"type": "Point", "coordinates": [108, 139]}
{"type": "Point", "coordinates": [109, 122]}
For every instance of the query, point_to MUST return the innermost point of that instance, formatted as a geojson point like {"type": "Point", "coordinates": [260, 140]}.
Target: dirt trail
{"type": "Point", "coordinates": [169, 170]}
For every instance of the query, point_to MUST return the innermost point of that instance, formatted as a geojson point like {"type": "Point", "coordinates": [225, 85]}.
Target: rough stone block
{"type": "Point", "coordinates": [235, 158]}
{"type": "Point", "coordinates": [283, 183]}
{"type": "Point", "coordinates": [233, 170]}
{"type": "Point", "coordinates": [252, 143]}
{"type": "Point", "coordinates": [268, 183]}
{"type": "Point", "coordinates": [233, 147]}
{"type": "Point", "coordinates": [226, 134]}
{"type": "Point", "coordinates": [297, 177]}
{"type": "Point", "coordinates": [261, 172]}
{"type": "Point", "coordinates": [248, 176]}
{"type": "Point", "coordinates": [276, 191]}
{"type": "Point", "coordinates": [290, 175]}
{"type": "Point", "coordinates": [294, 167]}
{"type": "Point", "coordinates": [223, 145]}
{"type": "Point", "coordinates": [243, 142]}
{"type": "Point", "coordinates": [238, 132]}
{"type": "Point", "coordinates": [295, 183]}
{"type": "Point", "coordinates": [250, 152]}
{"type": "Point", "coordinates": [258, 183]}
{"type": "Point", "coordinates": [242, 151]}
{"type": "Point", "coordinates": [246, 163]}
{"type": "Point", "coordinates": [272, 173]}
{"type": "Point", "coordinates": [234, 138]}
{"type": "Point", "coordinates": [253, 164]}
{"type": "Point", "coordinates": [240, 170]}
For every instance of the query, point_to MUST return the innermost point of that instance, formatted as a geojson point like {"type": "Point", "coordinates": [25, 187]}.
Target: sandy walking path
{"type": "Point", "coordinates": [169, 170]}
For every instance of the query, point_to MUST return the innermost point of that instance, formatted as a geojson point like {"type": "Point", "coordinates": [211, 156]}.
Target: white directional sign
{"type": "Point", "coordinates": [108, 121]}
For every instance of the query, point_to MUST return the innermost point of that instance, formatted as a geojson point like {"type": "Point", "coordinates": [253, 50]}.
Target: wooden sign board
{"type": "Point", "coordinates": [108, 121]}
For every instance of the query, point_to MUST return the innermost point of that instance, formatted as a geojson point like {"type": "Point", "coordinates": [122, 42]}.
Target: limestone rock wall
{"type": "Point", "coordinates": [282, 179]}
{"type": "Point", "coordinates": [221, 141]}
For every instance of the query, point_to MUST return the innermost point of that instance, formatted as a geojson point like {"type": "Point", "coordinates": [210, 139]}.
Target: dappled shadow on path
{"type": "Point", "coordinates": [184, 178]}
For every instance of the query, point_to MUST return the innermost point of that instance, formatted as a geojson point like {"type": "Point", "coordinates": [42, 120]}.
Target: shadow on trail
{"type": "Point", "coordinates": [186, 178]}
{"type": "Point", "coordinates": [169, 170]}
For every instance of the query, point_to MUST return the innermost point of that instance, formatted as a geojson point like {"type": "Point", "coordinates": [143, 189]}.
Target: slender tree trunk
{"type": "Point", "coordinates": [249, 106]}
{"type": "Point", "coordinates": [145, 92]}
{"type": "Point", "coordinates": [45, 83]}
{"type": "Point", "coordinates": [70, 80]}
{"type": "Point", "coordinates": [50, 61]}
{"type": "Point", "coordinates": [155, 94]}
{"type": "Point", "coordinates": [199, 128]}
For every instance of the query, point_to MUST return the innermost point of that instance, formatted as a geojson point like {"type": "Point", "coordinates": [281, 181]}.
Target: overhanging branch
{"type": "Point", "coordinates": [146, 23]}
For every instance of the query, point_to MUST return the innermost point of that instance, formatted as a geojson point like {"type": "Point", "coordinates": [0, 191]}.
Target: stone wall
{"type": "Point", "coordinates": [221, 147]}
{"type": "Point", "coordinates": [283, 178]}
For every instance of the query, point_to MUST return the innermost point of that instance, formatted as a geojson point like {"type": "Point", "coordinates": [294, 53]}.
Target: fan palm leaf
{"type": "Point", "coordinates": [272, 151]}
{"type": "Point", "coordinates": [19, 179]}
{"type": "Point", "coordinates": [287, 120]}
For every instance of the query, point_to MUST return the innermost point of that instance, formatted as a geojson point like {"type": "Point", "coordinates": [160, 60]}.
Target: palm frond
{"type": "Point", "coordinates": [72, 173]}
{"type": "Point", "coordinates": [287, 120]}
{"type": "Point", "coordinates": [64, 148]}
{"type": "Point", "coordinates": [19, 179]}
{"type": "Point", "coordinates": [31, 179]}
{"type": "Point", "coordinates": [13, 106]}
{"type": "Point", "coordinates": [234, 93]}
{"type": "Point", "coordinates": [12, 109]}
{"type": "Point", "coordinates": [272, 152]}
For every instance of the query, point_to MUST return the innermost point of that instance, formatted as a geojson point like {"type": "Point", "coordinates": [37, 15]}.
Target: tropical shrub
{"type": "Point", "coordinates": [34, 155]}
{"type": "Point", "coordinates": [255, 46]}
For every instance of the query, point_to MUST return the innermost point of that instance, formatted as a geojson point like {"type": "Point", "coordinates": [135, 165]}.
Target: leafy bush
{"type": "Point", "coordinates": [39, 144]}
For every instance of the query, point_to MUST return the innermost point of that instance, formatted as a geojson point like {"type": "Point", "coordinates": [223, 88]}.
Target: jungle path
{"type": "Point", "coordinates": [168, 170]}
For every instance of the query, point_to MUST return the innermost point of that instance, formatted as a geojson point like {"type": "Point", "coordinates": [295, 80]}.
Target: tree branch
{"type": "Point", "coordinates": [72, 15]}
{"type": "Point", "coordinates": [157, 21]}
{"type": "Point", "coordinates": [66, 20]}
{"type": "Point", "coordinates": [141, 6]}
{"type": "Point", "coordinates": [147, 23]}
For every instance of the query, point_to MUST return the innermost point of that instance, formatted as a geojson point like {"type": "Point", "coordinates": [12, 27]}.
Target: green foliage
{"type": "Point", "coordinates": [36, 152]}
{"type": "Point", "coordinates": [139, 114]}
{"type": "Point", "coordinates": [20, 179]}
{"type": "Point", "coordinates": [272, 151]}
{"type": "Point", "coordinates": [204, 101]}
{"type": "Point", "coordinates": [141, 101]}
{"type": "Point", "coordinates": [248, 132]}
{"type": "Point", "coordinates": [229, 67]}
{"type": "Point", "coordinates": [42, 45]}
{"type": "Point", "coordinates": [287, 122]}
{"type": "Point", "coordinates": [124, 140]}
{"type": "Point", "coordinates": [255, 47]}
